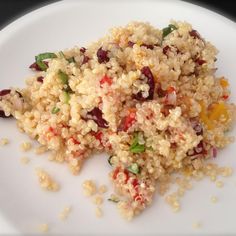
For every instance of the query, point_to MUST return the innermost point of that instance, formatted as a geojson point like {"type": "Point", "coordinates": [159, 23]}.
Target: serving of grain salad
{"type": "Point", "coordinates": [148, 97]}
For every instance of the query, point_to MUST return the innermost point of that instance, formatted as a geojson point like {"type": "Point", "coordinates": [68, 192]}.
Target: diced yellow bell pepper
{"type": "Point", "coordinates": [224, 83]}
{"type": "Point", "coordinates": [204, 118]}
{"type": "Point", "coordinates": [219, 110]}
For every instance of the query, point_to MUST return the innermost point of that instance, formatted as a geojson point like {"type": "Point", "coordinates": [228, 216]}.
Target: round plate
{"type": "Point", "coordinates": [23, 205]}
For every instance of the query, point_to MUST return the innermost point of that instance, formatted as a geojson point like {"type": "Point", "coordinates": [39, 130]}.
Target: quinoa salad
{"type": "Point", "coordinates": [147, 97]}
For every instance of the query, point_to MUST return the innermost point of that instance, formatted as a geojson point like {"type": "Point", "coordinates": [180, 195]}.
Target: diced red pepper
{"type": "Point", "coordinates": [128, 121]}
{"type": "Point", "coordinates": [116, 172]}
{"type": "Point", "coordinates": [171, 89]}
{"type": "Point", "coordinates": [75, 141]}
{"type": "Point", "coordinates": [126, 173]}
{"type": "Point", "coordinates": [138, 198]}
{"type": "Point", "coordinates": [52, 130]}
{"type": "Point", "coordinates": [106, 79]}
{"type": "Point", "coordinates": [135, 183]}
{"type": "Point", "coordinates": [98, 135]}
{"type": "Point", "coordinates": [225, 97]}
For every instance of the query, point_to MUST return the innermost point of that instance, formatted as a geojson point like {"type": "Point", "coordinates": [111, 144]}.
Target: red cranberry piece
{"type": "Point", "coordinates": [160, 92]}
{"type": "Point", "coordinates": [166, 49]}
{"type": "Point", "coordinates": [85, 60]}
{"type": "Point", "coordinates": [2, 115]}
{"type": "Point", "coordinates": [195, 34]}
{"type": "Point", "coordinates": [102, 56]}
{"type": "Point", "coordinates": [197, 127]}
{"type": "Point", "coordinates": [199, 149]}
{"type": "Point", "coordinates": [96, 116]}
{"type": "Point", "coordinates": [4, 92]}
{"type": "Point", "coordinates": [35, 66]}
{"type": "Point", "coordinates": [149, 46]}
{"type": "Point", "coordinates": [40, 79]}
{"type": "Point", "coordinates": [83, 50]}
{"type": "Point", "coordinates": [200, 61]}
{"type": "Point", "coordinates": [130, 44]}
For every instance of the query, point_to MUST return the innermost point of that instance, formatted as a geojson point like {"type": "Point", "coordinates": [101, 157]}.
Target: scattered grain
{"type": "Point", "coordinates": [25, 146]}
{"type": "Point", "coordinates": [4, 141]}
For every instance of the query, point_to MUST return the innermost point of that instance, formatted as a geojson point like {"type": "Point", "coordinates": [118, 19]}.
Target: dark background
{"type": "Point", "coordinates": [11, 9]}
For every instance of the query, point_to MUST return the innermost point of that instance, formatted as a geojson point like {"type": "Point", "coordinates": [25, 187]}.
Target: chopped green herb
{"type": "Point", "coordinates": [66, 97]}
{"type": "Point", "coordinates": [138, 148]}
{"type": "Point", "coordinates": [42, 65]}
{"type": "Point", "coordinates": [135, 146]}
{"type": "Point", "coordinates": [113, 200]}
{"type": "Point", "coordinates": [55, 110]}
{"type": "Point", "coordinates": [110, 160]}
{"type": "Point", "coordinates": [63, 77]}
{"type": "Point", "coordinates": [62, 54]}
{"type": "Point", "coordinates": [149, 148]}
{"type": "Point", "coordinates": [46, 55]}
{"type": "Point", "coordinates": [71, 59]}
{"type": "Point", "coordinates": [134, 168]}
{"type": "Point", "coordinates": [168, 30]}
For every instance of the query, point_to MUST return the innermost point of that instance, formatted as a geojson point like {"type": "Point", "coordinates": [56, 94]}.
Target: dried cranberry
{"type": "Point", "coordinates": [130, 44]}
{"type": "Point", "coordinates": [195, 34]}
{"type": "Point", "coordinates": [150, 81]}
{"type": "Point", "coordinates": [149, 46]}
{"type": "Point", "coordinates": [199, 149]}
{"type": "Point", "coordinates": [4, 92]}
{"type": "Point", "coordinates": [85, 60]}
{"type": "Point", "coordinates": [127, 122]}
{"type": "Point", "coordinates": [102, 56]}
{"type": "Point", "coordinates": [96, 116]}
{"type": "Point", "coordinates": [2, 114]}
{"type": "Point", "coordinates": [40, 79]}
{"type": "Point", "coordinates": [200, 61]}
{"type": "Point", "coordinates": [83, 50]}
{"type": "Point", "coordinates": [197, 127]}
{"type": "Point", "coordinates": [160, 92]}
{"type": "Point", "coordinates": [166, 49]}
{"type": "Point", "coordinates": [35, 66]}
{"type": "Point", "coordinates": [166, 109]}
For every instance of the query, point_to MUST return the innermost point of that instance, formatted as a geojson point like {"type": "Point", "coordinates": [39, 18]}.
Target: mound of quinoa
{"type": "Point", "coordinates": [147, 97]}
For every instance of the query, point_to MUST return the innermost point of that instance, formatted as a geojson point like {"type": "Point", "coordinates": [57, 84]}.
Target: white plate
{"type": "Point", "coordinates": [23, 205]}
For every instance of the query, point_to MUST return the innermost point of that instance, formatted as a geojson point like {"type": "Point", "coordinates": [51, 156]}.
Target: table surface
{"type": "Point", "coordinates": [12, 9]}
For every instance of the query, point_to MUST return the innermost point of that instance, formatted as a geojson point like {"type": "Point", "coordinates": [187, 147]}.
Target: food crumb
{"type": "Point", "coordinates": [4, 141]}
{"type": "Point", "coordinates": [114, 198]}
{"type": "Point", "coordinates": [98, 200]}
{"type": "Point", "coordinates": [46, 181]}
{"type": "Point", "coordinates": [24, 160]}
{"type": "Point", "coordinates": [219, 184]}
{"type": "Point", "coordinates": [40, 150]}
{"type": "Point", "coordinates": [98, 212]}
{"type": "Point", "coordinates": [102, 189]}
{"type": "Point", "coordinates": [89, 188]}
{"type": "Point", "coordinates": [196, 225]}
{"type": "Point", "coordinates": [25, 146]}
{"type": "Point", "coordinates": [65, 213]}
{"type": "Point", "coordinates": [43, 228]}
{"type": "Point", "coordinates": [214, 199]}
